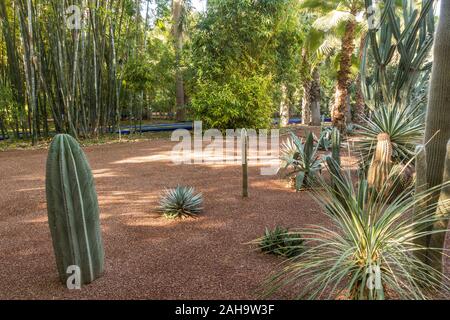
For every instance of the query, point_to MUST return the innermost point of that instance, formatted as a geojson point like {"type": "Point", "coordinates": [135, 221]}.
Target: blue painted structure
{"type": "Point", "coordinates": [169, 127]}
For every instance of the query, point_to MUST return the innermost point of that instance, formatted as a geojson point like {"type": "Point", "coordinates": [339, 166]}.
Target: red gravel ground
{"type": "Point", "coordinates": [147, 257]}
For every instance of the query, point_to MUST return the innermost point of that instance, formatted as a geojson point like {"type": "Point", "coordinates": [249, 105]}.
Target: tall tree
{"type": "Point", "coordinates": [339, 15]}
{"type": "Point", "coordinates": [179, 14]}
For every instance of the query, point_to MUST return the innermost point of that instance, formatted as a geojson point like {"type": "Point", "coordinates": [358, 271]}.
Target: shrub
{"type": "Point", "coordinates": [181, 202]}
{"type": "Point", "coordinates": [280, 241]}
{"type": "Point", "coordinates": [301, 160]}
{"type": "Point", "coordinates": [240, 102]}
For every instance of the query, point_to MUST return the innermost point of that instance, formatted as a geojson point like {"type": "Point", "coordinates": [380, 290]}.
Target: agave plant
{"type": "Point", "coordinates": [280, 241]}
{"type": "Point", "coordinates": [324, 140]}
{"type": "Point", "coordinates": [368, 251]}
{"type": "Point", "coordinates": [405, 128]}
{"type": "Point", "coordinates": [301, 160]}
{"type": "Point", "coordinates": [180, 202]}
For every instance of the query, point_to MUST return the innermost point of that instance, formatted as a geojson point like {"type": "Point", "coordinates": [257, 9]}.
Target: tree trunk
{"type": "Point", "coordinates": [177, 7]}
{"type": "Point", "coordinates": [360, 106]}
{"type": "Point", "coordinates": [315, 99]}
{"type": "Point", "coordinates": [437, 132]}
{"type": "Point", "coordinates": [306, 103]}
{"type": "Point", "coordinates": [343, 79]}
{"type": "Point", "coordinates": [284, 107]}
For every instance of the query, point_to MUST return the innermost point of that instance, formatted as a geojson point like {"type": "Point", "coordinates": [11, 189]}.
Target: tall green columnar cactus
{"type": "Point", "coordinates": [421, 206]}
{"type": "Point", "coordinates": [73, 212]}
{"type": "Point", "coordinates": [336, 146]}
{"type": "Point", "coordinates": [437, 239]}
{"type": "Point", "coordinates": [437, 130]}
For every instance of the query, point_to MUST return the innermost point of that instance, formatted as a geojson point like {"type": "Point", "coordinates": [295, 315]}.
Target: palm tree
{"type": "Point", "coordinates": [316, 47]}
{"type": "Point", "coordinates": [337, 14]}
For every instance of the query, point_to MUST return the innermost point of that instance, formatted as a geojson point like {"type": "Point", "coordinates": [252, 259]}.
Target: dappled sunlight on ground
{"type": "Point", "coordinates": [146, 255]}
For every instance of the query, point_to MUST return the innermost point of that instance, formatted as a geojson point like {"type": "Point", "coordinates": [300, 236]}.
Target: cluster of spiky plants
{"type": "Point", "coordinates": [180, 202]}
{"type": "Point", "coordinates": [371, 248]}
{"type": "Point", "coordinates": [280, 241]}
{"type": "Point", "coordinates": [301, 160]}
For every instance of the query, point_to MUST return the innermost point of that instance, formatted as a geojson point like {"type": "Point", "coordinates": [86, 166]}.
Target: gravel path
{"type": "Point", "coordinates": [147, 257]}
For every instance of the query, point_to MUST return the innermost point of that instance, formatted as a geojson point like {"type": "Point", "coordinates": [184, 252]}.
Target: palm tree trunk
{"type": "Point", "coordinates": [343, 79]}
{"type": "Point", "coordinates": [315, 98]}
{"type": "Point", "coordinates": [360, 106]}
{"type": "Point", "coordinates": [177, 7]}
{"type": "Point", "coordinates": [284, 107]}
{"type": "Point", "coordinates": [306, 102]}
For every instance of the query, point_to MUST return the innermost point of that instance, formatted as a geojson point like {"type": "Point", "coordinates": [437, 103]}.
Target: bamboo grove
{"type": "Point", "coordinates": [66, 61]}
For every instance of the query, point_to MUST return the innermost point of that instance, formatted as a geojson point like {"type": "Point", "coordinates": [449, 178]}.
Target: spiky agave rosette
{"type": "Point", "coordinates": [281, 241]}
{"type": "Point", "coordinates": [180, 202]}
{"type": "Point", "coordinates": [300, 161]}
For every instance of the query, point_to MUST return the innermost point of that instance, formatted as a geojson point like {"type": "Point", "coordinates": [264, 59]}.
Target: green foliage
{"type": "Point", "coordinates": [152, 70]}
{"type": "Point", "coordinates": [369, 249]}
{"type": "Point", "coordinates": [181, 202]}
{"type": "Point", "coordinates": [73, 213]}
{"type": "Point", "coordinates": [242, 102]}
{"type": "Point", "coordinates": [7, 104]}
{"type": "Point", "coordinates": [301, 160]}
{"type": "Point", "coordinates": [280, 241]}
{"type": "Point", "coordinates": [405, 128]}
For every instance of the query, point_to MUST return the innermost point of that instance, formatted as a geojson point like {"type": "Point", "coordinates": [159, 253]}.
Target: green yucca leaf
{"type": "Point", "coordinates": [405, 128]}
{"type": "Point", "coordinates": [371, 241]}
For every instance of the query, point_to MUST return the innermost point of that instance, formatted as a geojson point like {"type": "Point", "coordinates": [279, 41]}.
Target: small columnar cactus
{"type": "Point", "coordinates": [73, 212]}
{"type": "Point", "coordinates": [381, 165]}
{"type": "Point", "coordinates": [336, 145]}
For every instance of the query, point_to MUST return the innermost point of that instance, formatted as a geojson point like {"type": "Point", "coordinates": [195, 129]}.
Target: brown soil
{"type": "Point", "coordinates": [148, 257]}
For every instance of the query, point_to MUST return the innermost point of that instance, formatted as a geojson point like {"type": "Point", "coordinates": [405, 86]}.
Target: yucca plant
{"type": "Point", "coordinates": [369, 249]}
{"type": "Point", "coordinates": [301, 160]}
{"type": "Point", "coordinates": [181, 202]}
{"type": "Point", "coordinates": [404, 127]}
{"type": "Point", "coordinates": [280, 241]}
